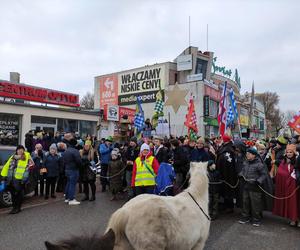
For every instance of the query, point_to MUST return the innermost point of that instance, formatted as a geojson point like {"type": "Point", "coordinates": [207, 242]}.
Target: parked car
{"type": "Point", "coordinates": [5, 196]}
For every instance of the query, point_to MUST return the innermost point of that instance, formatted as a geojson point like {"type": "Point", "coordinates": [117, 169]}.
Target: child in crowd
{"type": "Point", "coordinates": [115, 167]}
{"type": "Point", "coordinates": [253, 173]}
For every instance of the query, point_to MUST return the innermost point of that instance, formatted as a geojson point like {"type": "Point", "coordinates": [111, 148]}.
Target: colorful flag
{"type": "Point", "coordinates": [222, 112]}
{"type": "Point", "coordinates": [158, 109]}
{"type": "Point", "coordinates": [139, 119]}
{"type": "Point", "coordinates": [230, 117]}
{"type": "Point", "coordinates": [233, 104]}
{"type": "Point", "coordinates": [295, 123]}
{"type": "Point", "coordinates": [191, 121]}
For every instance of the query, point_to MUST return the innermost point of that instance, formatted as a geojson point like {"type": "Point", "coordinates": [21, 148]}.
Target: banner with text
{"type": "Point", "coordinates": [108, 90]}
{"type": "Point", "coordinates": [144, 82]}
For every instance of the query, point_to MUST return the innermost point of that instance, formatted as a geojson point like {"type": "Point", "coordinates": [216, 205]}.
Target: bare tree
{"type": "Point", "coordinates": [87, 101]}
{"type": "Point", "coordinates": [270, 101]}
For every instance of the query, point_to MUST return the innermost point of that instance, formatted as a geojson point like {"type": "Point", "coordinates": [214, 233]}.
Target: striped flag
{"type": "Point", "coordinates": [139, 119]}
{"type": "Point", "coordinates": [158, 109]}
{"type": "Point", "coordinates": [222, 112]}
{"type": "Point", "coordinates": [191, 121]}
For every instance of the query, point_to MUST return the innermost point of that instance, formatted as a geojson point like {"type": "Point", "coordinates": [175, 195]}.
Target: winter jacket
{"type": "Point", "coordinates": [297, 170]}
{"type": "Point", "coordinates": [255, 172]}
{"type": "Point", "coordinates": [105, 151]}
{"type": "Point", "coordinates": [71, 158]}
{"type": "Point", "coordinates": [199, 155]}
{"type": "Point", "coordinates": [53, 164]}
{"type": "Point", "coordinates": [155, 167]}
{"type": "Point", "coordinates": [86, 174]}
{"type": "Point", "coordinates": [38, 160]}
{"type": "Point", "coordinates": [180, 160]}
{"type": "Point", "coordinates": [165, 179]}
{"type": "Point", "coordinates": [130, 155]}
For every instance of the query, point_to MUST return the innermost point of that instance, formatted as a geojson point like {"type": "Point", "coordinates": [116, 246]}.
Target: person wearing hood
{"type": "Point", "coordinates": [286, 183]}
{"type": "Point", "coordinates": [115, 167]}
{"type": "Point", "coordinates": [225, 164]}
{"type": "Point", "coordinates": [254, 173]}
{"type": "Point", "coordinates": [145, 169]}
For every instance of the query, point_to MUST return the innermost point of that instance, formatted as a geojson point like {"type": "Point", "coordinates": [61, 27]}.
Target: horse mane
{"type": "Point", "coordinates": [198, 179]}
{"type": "Point", "coordinates": [94, 242]}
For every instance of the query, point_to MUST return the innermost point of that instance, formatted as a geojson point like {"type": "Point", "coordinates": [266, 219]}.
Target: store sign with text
{"type": "Point", "coordinates": [144, 82]}
{"type": "Point", "coordinates": [108, 90]}
{"type": "Point", "coordinates": [112, 113]}
{"type": "Point", "coordinates": [36, 94]}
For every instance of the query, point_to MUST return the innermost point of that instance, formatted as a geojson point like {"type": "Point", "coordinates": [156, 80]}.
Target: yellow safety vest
{"type": "Point", "coordinates": [21, 167]}
{"type": "Point", "coordinates": [143, 176]}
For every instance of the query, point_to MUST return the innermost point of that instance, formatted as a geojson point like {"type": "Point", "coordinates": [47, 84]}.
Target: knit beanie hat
{"type": "Point", "coordinates": [88, 142]}
{"type": "Point", "coordinates": [252, 150]}
{"type": "Point", "coordinates": [53, 146]}
{"type": "Point", "coordinates": [226, 138]}
{"type": "Point", "coordinates": [291, 147]}
{"type": "Point", "coordinates": [145, 147]}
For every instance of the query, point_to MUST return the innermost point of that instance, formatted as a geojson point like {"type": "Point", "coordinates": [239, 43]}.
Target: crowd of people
{"type": "Point", "coordinates": [253, 175]}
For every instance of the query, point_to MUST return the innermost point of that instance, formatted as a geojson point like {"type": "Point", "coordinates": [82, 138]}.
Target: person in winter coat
{"type": "Point", "coordinates": [61, 182]}
{"type": "Point", "coordinates": [52, 163]}
{"type": "Point", "coordinates": [285, 185]}
{"type": "Point", "coordinates": [87, 176]}
{"type": "Point", "coordinates": [180, 163]}
{"type": "Point", "coordinates": [199, 153]}
{"type": "Point", "coordinates": [38, 156]}
{"type": "Point", "coordinates": [72, 162]}
{"type": "Point", "coordinates": [15, 174]}
{"type": "Point", "coordinates": [254, 173]}
{"type": "Point", "coordinates": [29, 142]}
{"type": "Point", "coordinates": [213, 190]}
{"type": "Point", "coordinates": [225, 164]}
{"type": "Point", "coordinates": [160, 152]}
{"type": "Point", "coordinates": [115, 167]}
{"type": "Point", "coordinates": [130, 156]}
{"type": "Point", "coordinates": [105, 150]}
{"type": "Point", "coordinates": [145, 169]}
{"type": "Point", "coordinates": [240, 160]}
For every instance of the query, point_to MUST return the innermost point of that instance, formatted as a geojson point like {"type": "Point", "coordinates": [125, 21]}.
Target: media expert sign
{"type": "Point", "coordinates": [108, 90]}
{"type": "Point", "coordinates": [144, 82]}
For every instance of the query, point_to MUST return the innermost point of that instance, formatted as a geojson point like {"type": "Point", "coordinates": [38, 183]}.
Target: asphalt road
{"type": "Point", "coordinates": [55, 220]}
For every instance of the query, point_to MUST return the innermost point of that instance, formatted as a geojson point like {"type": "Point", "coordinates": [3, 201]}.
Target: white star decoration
{"type": "Point", "coordinates": [229, 159]}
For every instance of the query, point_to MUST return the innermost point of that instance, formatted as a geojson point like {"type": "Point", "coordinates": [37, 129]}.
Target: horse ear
{"type": "Point", "coordinates": [51, 246]}
{"type": "Point", "coordinates": [108, 240]}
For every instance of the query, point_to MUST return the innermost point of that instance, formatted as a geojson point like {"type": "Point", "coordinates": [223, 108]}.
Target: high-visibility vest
{"type": "Point", "coordinates": [144, 177]}
{"type": "Point", "coordinates": [20, 169]}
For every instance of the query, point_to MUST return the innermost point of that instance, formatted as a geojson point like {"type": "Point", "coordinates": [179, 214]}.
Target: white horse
{"type": "Point", "coordinates": [150, 222]}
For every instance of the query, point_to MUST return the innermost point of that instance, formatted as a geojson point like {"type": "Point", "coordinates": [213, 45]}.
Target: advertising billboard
{"type": "Point", "coordinates": [108, 90]}
{"type": "Point", "coordinates": [144, 82]}
{"type": "Point", "coordinates": [244, 117]}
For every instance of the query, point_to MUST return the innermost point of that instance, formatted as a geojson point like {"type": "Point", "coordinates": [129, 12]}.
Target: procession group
{"type": "Point", "coordinates": [253, 175]}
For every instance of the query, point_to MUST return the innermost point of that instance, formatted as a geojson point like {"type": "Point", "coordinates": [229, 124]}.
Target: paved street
{"type": "Point", "coordinates": [56, 220]}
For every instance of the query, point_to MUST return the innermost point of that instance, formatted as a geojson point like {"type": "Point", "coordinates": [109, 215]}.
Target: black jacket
{"type": "Point", "coordinates": [199, 155]}
{"type": "Point", "coordinates": [53, 164]}
{"type": "Point", "coordinates": [131, 155]}
{"type": "Point", "coordinates": [180, 160]}
{"type": "Point", "coordinates": [72, 159]}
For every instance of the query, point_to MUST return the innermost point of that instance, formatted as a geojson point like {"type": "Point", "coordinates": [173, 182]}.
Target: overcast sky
{"type": "Point", "coordinates": [64, 44]}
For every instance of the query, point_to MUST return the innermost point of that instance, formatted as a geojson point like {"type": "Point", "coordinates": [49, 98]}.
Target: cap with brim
{"type": "Point", "coordinates": [252, 151]}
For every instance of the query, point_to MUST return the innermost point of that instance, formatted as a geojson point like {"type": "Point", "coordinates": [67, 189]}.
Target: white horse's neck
{"type": "Point", "coordinates": [198, 186]}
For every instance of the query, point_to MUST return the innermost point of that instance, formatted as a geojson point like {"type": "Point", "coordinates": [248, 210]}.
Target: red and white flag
{"type": "Point", "coordinates": [222, 112]}
{"type": "Point", "coordinates": [295, 123]}
{"type": "Point", "coordinates": [191, 121]}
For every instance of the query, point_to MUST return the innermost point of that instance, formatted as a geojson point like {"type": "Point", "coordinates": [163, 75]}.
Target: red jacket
{"type": "Point", "coordinates": [155, 166]}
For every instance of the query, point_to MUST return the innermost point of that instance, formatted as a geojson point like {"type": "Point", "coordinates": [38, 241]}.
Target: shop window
{"type": "Point", "coordinates": [87, 127]}
{"type": "Point", "coordinates": [43, 120]}
{"type": "Point", "coordinates": [213, 108]}
{"type": "Point", "coordinates": [9, 129]}
{"type": "Point", "coordinates": [201, 67]}
{"type": "Point", "coordinates": [67, 125]}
